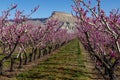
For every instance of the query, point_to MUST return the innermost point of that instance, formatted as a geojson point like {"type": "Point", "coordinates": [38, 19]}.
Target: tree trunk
{"type": "Point", "coordinates": [12, 63]}
{"type": "Point", "coordinates": [30, 57]}
{"type": "Point", "coordinates": [20, 58]}
{"type": "Point", "coordinates": [1, 67]}
{"type": "Point", "coordinates": [39, 55]}
{"type": "Point", "coordinates": [35, 52]}
{"type": "Point", "coordinates": [111, 74]}
{"type": "Point", "coordinates": [44, 51]}
{"type": "Point", "coordinates": [25, 62]}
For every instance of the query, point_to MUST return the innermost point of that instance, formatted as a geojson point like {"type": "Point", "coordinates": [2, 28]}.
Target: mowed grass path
{"type": "Point", "coordinates": [66, 64]}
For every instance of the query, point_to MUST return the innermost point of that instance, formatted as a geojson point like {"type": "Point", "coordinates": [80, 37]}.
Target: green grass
{"type": "Point", "coordinates": [67, 64]}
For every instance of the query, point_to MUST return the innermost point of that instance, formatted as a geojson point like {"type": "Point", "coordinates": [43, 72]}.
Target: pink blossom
{"type": "Point", "coordinates": [113, 54]}
{"type": "Point", "coordinates": [13, 6]}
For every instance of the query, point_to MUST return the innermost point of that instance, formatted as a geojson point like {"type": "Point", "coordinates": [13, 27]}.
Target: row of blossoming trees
{"type": "Point", "coordinates": [22, 41]}
{"type": "Point", "coordinates": [100, 35]}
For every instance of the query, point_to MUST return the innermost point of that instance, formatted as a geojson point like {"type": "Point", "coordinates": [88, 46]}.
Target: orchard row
{"type": "Point", "coordinates": [23, 41]}
{"type": "Point", "coordinates": [100, 35]}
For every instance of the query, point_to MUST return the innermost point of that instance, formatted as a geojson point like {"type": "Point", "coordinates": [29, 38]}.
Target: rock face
{"type": "Point", "coordinates": [67, 19]}
{"type": "Point", "coordinates": [64, 17]}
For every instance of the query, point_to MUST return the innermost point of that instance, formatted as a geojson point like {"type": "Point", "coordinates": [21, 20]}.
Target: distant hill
{"type": "Point", "coordinates": [43, 20]}
{"type": "Point", "coordinates": [62, 16]}
{"type": "Point", "coordinates": [67, 19]}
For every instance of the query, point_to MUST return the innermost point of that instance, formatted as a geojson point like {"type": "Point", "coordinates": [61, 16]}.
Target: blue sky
{"type": "Point", "coordinates": [48, 6]}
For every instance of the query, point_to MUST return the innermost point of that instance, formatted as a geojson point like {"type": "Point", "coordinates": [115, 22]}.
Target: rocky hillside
{"type": "Point", "coordinates": [67, 19]}
{"type": "Point", "coordinates": [64, 17]}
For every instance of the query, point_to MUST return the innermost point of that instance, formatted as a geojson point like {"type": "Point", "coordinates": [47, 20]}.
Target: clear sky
{"type": "Point", "coordinates": [48, 6]}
